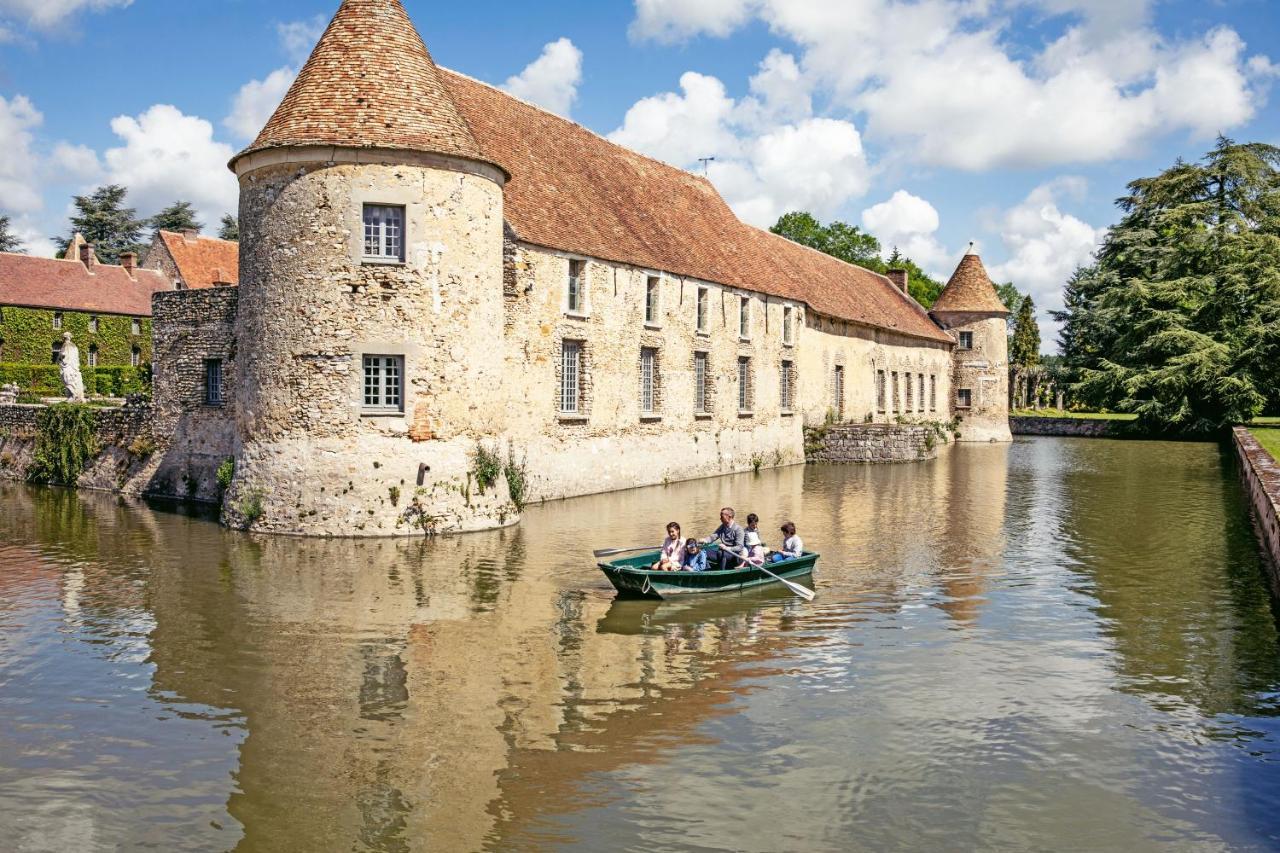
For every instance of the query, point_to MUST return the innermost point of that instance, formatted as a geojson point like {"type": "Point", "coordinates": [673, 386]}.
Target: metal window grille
{"type": "Point", "coordinates": [786, 325]}
{"type": "Point", "coordinates": [570, 377]}
{"type": "Point", "coordinates": [744, 384]}
{"type": "Point", "coordinates": [384, 232]}
{"type": "Point", "coordinates": [703, 296]}
{"type": "Point", "coordinates": [880, 390]}
{"type": "Point", "coordinates": [744, 317]}
{"type": "Point", "coordinates": [651, 301]}
{"type": "Point", "coordinates": [213, 382]}
{"type": "Point", "coordinates": [648, 380]}
{"type": "Point", "coordinates": [384, 383]}
{"type": "Point", "coordinates": [700, 381]}
{"type": "Point", "coordinates": [964, 398]}
{"type": "Point", "coordinates": [933, 393]}
{"type": "Point", "coordinates": [785, 389]}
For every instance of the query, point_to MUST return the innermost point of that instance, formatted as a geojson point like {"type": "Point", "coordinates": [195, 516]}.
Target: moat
{"type": "Point", "coordinates": [1063, 643]}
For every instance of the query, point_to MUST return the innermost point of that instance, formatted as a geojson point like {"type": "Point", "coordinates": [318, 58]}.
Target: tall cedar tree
{"type": "Point", "coordinates": [9, 241]}
{"type": "Point", "coordinates": [852, 245]}
{"type": "Point", "coordinates": [1024, 351]}
{"type": "Point", "coordinates": [1178, 320]}
{"type": "Point", "coordinates": [177, 217]}
{"type": "Point", "coordinates": [230, 228]}
{"type": "Point", "coordinates": [106, 223]}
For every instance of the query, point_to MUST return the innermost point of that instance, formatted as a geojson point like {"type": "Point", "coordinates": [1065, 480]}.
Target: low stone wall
{"type": "Point", "coordinates": [1262, 478]}
{"type": "Point", "coordinates": [871, 443]}
{"type": "Point", "coordinates": [1081, 427]}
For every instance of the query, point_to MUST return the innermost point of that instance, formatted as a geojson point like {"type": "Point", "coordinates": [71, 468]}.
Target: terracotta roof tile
{"type": "Point", "coordinates": [370, 82]}
{"type": "Point", "coordinates": [203, 262]}
{"type": "Point", "coordinates": [577, 192]}
{"type": "Point", "coordinates": [970, 290]}
{"type": "Point", "coordinates": [66, 285]}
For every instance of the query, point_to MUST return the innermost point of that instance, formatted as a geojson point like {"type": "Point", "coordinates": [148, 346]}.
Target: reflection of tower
{"type": "Point", "coordinates": [972, 549]}
{"type": "Point", "coordinates": [974, 315]}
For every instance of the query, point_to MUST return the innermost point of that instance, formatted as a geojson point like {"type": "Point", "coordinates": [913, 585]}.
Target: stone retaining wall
{"type": "Point", "coordinates": [125, 462]}
{"type": "Point", "coordinates": [1080, 427]}
{"type": "Point", "coordinates": [1262, 478]}
{"type": "Point", "coordinates": [872, 443]}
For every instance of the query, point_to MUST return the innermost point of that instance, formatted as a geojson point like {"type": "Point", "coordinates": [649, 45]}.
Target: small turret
{"type": "Point", "coordinates": [971, 311]}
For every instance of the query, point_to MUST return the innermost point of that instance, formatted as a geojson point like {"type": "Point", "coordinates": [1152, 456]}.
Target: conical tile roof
{"type": "Point", "coordinates": [370, 83]}
{"type": "Point", "coordinates": [970, 290]}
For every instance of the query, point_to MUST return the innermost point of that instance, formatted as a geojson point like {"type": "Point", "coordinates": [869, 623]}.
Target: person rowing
{"type": "Point", "coordinates": [731, 541]}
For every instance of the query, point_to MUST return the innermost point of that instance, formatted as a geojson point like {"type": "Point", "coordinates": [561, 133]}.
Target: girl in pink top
{"type": "Point", "coordinates": [672, 557]}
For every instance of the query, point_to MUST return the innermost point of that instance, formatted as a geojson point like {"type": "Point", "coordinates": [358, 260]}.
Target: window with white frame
{"type": "Point", "coordinates": [571, 377]}
{"type": "Point", "coordinates": [383, 384]}
{"type": "Point", "coordinates": [384, 232]}
{"type": "Point", "coordinates": [785, 385]}
{"type": "Point", "coordinates": [788, 336]}
{"type": "Point", "coordinates": [966, 340]}
{"type": "Point", "coordinates": [648, 380]}
{"type": "Point", "coordinates": [704, 299]}
{"type": "Point", "coordinates": [652, 292]}
{"type": "Point", "coordinates": [93, 355]}
{"type": "Point", "coordinates": [701, 399]}
{"type": "Point", "coordinates": [57, 319]}
{"type": "Point", "coordinates": [744, 317]}
{"type": "Point", "coordinates": [93, 325]}
{"type": "Point", "coordinates": [576, 302]}
{"type": "Point", "coordinates": [744, 384]}
{"type": "Point", "coordinates": [213, 382]}
{"type": "Point", "coordinates": [135, 327]}
{"type": "Point", "coordinates": [964, 398]}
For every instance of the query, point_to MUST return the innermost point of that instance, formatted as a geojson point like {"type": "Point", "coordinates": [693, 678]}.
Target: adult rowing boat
{"type": "Point", "coordinates": [633, 578]}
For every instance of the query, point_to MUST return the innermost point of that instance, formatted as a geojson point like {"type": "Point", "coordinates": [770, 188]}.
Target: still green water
{"type": "Point", "coordinates": [1063, 644]}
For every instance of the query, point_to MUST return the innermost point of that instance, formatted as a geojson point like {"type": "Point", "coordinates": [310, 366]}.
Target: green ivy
{"type": "Point", "coordinates": [66, 441]}
{"type": "Point", "coordinates": [27, 337]}
{"type": "Point", "coordinates": [45, 380]}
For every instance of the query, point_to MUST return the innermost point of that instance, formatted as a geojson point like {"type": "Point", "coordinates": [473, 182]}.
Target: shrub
{"type": "Point", "coordinates": [250, 507]}
{"type": "Point", "coordinates": [486, 466]}
{"type": "Point", "coordinates": [66, 441]}
{"type": "Point", "coordinates": [226, 473]}
{"type": "Point", "coordinates": [517, 478]}
{"type": "Point", "coordinates": [142, 446]}
{"type": "Point", "coordinates": [394, 493]}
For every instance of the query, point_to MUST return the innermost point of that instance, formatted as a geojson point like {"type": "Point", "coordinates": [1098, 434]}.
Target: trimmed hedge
{"type": "Point", "coordinates": [46, 379]}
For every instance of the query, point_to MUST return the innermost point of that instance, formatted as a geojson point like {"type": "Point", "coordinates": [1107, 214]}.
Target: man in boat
{"type": "Point", "coordinates": [732, 541]}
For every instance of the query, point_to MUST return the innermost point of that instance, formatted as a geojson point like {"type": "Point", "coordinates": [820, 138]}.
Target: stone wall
{"type": "Point", "coordinates": [1262, 479]}
{"type": "Point", "coordinates": [872, 443]}
{"type": "Point", "coordinates": [1067, 427]}
{"type": "Point", "coordinates": [982, 370]}
{"type": "Point", "coordinates": [126, 462]}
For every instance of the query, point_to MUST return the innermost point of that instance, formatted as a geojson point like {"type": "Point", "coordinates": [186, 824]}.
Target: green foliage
{"type": "Point", "coordinates": [757, 462]}
{"type": "Point", "coordinates": [226, 473]}
{"type": "Point", "coordinates": [1270, 441]}
{"type": "Point", "coordinates": [1178, 319]}
{"type": "Point", "coordinates": [178, 217]}
{"type": "Point", "coordinates": [9, 241]}
{"type": "Point", "coordinates": [229, 229]}
{"type": "Point", "coordinates": [106, 223]}
{"type": "Point", "coordinates": [393, 493]}
{"type": "Point", "coordinates": [250, 507]}
{"type": "Point", "coordinates": [142, 446]}
{"type": "Point", "coordinates": [46, 380]}
{"type": "Point", "coordinates": [27, 337]}
{"type": "Point", "coordinates": [486, 467]}
{"type": "Point", "coordinates": [66, 441]}
{"type": "Point", "coordinates": [517, 478]}
{"type": "Point", "coordinates": [1024, 350]}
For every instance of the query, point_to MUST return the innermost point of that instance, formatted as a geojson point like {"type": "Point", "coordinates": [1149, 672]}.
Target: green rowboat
{"type": "Point", "coordinates": [633, 578]}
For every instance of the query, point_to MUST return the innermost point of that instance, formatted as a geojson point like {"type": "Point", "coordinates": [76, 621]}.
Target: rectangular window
{"type": "Point", "coordinates": [933, 393]}
{"type": "Point", "coordinates": [839, 393]}
{"type": "Point", "coordinates": [784, 391]}
{"type": "Point", "coordinates": [964, 399]}
{"type": "Point", "coordinates": [57, 319]}
{"type": "Point", "coordinates": [576, 303]}
{"type": "Point", "coordinates": [57, 352]}
{"type": "Point", "coordinates": [571, 377]}
{"type": "Point", "coordinates": [744, 317]}
{"type": "Point", "coordinates": [893, 402]}
{"type": "Point", "coordinates": [701, 401]}
{"type": "Point", "coordinates": [135, 327]}
{"type": "Point", "coordinates": [744, 384]}
{"type": "Point", "coordinates": [384, 383]}
{"type": "Point", "coordinates": [920, 398]}
{"type": "Point", "coordinates": [881, 390]}
{"type": "Point", "coordinates": [966, 340]}
{"type": "Point", "coordinates": [704, 297]}
{"type": "Point", "coordinates": [135, 357]}
{"type": "Point", "coordinates": [910, 393]}
{"type": "Point", "coordinates": [93, 325]}
{"type": "Point", "coordinates": [213, 382]}
{"type": "Point", "coordinates": [384, 232]}
{"type": "Point", "coordinates": [651, 293]}
{"type": "Point", "coordinates": [93, 356]}
{"type": "Point", "coordinates": [648, 380]}
{"type": "Point", "coordinates": [787, 335]}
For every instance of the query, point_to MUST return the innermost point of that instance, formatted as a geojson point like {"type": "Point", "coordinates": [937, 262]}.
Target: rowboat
{"type": "Point", "coordinates": [633, 578]}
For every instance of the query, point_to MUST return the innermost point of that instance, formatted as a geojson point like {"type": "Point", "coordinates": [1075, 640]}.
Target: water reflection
{"type": "Point", "coordinates": [1004, 640]}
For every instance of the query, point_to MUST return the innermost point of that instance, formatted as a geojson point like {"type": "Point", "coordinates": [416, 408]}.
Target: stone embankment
{"type": "Point", "coordinates": [1262, 478]}
{"type": "Point", "coordinates": [1067, 427]}
{"type": "Point", "coordinates": [872, 443]}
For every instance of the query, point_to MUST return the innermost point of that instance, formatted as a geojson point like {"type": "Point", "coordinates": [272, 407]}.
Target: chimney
{"type": "Point", "coordinates": [87, 257]}
{"type": "Point", "coordinates": [190, 235]}
{"type": "Point", "coordinates": [220, 278]}
{"type": "Point", "coordinates": [899, 277]}
{"type": "Point", "coordinates": [129, 260]}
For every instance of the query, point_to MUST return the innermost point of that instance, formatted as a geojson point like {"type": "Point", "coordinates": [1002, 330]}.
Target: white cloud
{"type": "Point", "coordinates": [74, 163]}
{"type": "Point", "coordinates": [910, 224]}
{"type": "Point", "coordinates": [673, 20]}
{"type": "Point", "coordinates": [298, 38]}
{"type": "Point", "coordinates": [47, 13]}
{"type": "Point", "coordinates": [19, 178]}
{"type": "Point", "coordinates": [550, 81]}
{"type": "Point", "coordinates": [256, 101]}
{"type": "Point", "coordinates": [167, 156]}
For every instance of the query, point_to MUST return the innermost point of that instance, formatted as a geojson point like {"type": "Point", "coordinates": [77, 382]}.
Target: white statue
{"type": "Point", "coordinates": [71, 378]}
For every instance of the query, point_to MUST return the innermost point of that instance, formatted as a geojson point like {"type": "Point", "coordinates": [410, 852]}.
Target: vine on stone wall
{"type": "Point", "coordinates": [66, 441]}
{"type": "Point", "coordinates": [27, 336]}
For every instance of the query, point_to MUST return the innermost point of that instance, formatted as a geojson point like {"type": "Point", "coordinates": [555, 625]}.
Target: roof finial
{"type": "Point", "coordinates": [971, 251]}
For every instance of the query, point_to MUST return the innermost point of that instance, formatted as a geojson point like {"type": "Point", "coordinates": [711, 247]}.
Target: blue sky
{"type": "Point", "coordinates": [1014, 123]}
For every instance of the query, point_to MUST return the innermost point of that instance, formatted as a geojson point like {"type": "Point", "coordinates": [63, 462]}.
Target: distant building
{"type": "Point", "coordinates": [194, 262]}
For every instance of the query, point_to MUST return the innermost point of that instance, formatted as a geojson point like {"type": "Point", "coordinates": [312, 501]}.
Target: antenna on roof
{"type": "Point", "coordinates": [706, 164]}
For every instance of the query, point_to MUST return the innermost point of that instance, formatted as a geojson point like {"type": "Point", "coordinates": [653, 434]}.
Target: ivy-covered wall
{"type": "Point", "coordinates": [27, 336]}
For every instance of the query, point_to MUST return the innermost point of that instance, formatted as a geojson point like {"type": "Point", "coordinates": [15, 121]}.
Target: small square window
{"type": "Point", "coordinates": [384, 384]}
{"type": "Point", "coordinates": [384, 233]}
{"type": "Point", "coordinates": [576, 302]}
{"type": "Point", "coordinates": [213, 382]}
{"type": "Point", "coordinates": [652, 292]}
{"type": "Point", "coordinates": [704, 298]}
{"type": "Point", "coordinates": [964, 398]}
{"type": "Point", "coordinates": [966, 340]}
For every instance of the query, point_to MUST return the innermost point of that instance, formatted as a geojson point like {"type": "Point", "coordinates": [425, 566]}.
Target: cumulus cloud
{"type": "Point", "coordinates": [673, 20]}
{"type": "Point", "coordinates": [74, 163]}
{"type": "Point", "coordinates": [47, 13]}
{"type": "Point", "coordinates": [19, 178]}
{"type": "Point", "coordinates": [166, 156]}
{"type": "Point", "coordinates": [298, 38]}
{"type": "Point", "coordinates": [910, 224]}
{"type": "Point", "coordinates": [771, 155]}
{"type": "Point", "coordinates": [254, 104]}
{"type": "Point", "coordinates": [550, 81]}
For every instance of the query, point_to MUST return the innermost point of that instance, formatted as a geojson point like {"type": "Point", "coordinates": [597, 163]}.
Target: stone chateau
{"type": "Point", "coordinates": [450, 300]}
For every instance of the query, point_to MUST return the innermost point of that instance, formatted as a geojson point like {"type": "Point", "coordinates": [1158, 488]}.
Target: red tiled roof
{"type": "Point", "coordinates": [970, 290]}
{"type": "Point", "coordinates": [64, 285]}
{"type": "Point", "coordinates": [203, 262]}
{"type": "Point", "coordinates": [370, 83]}
{"type": "Point", "coordinates": [577, 192]}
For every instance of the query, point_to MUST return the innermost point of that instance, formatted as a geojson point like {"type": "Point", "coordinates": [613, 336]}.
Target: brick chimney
{"type": "Point", "coordinates": [129, 260]}
{"type": "Point", "coordinates": [899, 277]}
{"type": "Point", "coordinates": [87, 257]}
{"type": "Point", "coordinates": [190, 235]}
{"type": "Point", "coordinates": [220, 278]}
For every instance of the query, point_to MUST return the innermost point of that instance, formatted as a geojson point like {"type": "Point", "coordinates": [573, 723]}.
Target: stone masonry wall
{"type": "Point", "coordinates": [1078, 427]}
{"type": "Point", "coordinates": [1262, 479]}
{"type": "Point", "coordinates": [872, 443]}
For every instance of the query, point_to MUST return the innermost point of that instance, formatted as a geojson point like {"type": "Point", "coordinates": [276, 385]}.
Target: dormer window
{"type": "Point", "coordinates": [384, 233]}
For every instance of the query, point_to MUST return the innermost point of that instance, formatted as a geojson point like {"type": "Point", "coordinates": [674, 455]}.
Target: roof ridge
{"type": "Point", "coordinates": [199, 236]}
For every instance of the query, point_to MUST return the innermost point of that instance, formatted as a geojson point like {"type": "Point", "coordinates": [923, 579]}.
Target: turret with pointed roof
{"type": "Point", "coordinates": [970, 290]}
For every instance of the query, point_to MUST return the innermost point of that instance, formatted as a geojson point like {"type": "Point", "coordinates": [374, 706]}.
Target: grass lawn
{"type": "Point", "coordinates": [1059, 413]}
{"type": "Point", "coordinates": [1270, 439]}
{"type": "Point", "coordinates": [1272, 421]}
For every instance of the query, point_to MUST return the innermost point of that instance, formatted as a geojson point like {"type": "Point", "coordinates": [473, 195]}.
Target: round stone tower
{"type": "Point", "coordinates": [369, 330]}
{"type": "Point", "coordinates": [971, 312]}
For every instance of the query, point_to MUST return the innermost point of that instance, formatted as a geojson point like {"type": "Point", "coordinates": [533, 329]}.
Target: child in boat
{"type": "Point", "coordinates": [792, 547]}
{"type": "Point", "coordinates": [695, 559]}
{"type": "Point", "coordinates": [754, 544]}
{"type": "Point", "coordinates": [672, 551]}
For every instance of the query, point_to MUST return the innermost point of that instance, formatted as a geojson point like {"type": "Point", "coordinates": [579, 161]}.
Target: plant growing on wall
{"type": "Point", "coordinates": [517, 478]}
{"type": "Point", "coordinates": [486, 467]}
{"type": "Point", "coordinates": [66, 442]}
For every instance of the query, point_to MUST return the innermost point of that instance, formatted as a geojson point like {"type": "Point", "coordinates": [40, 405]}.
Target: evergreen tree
{"type": "Point", "coordinates": [1024, 351]}
{"type": "Point", "coordinates": [1178, 321]}
{"type": "Point", "coordinates": [177, 217]}
{"type": "Point", "coordinates": [230, 229]}
{"type": "Point", "coordinates": [9, 241]}
{"type": "Point", "coordinates": [106, 223]}
{"type": "Point", "coordinates": [923, 288]}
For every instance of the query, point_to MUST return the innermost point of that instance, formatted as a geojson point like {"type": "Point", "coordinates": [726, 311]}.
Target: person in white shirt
{"type": "Point", "coordinates": [792, 547]}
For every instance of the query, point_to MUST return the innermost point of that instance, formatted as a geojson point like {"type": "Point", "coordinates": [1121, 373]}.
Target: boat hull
{"type": "Point", "coordinates": [632, 578]}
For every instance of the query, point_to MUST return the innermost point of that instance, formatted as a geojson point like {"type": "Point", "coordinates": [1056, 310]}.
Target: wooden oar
{"type": "Point", "coordinates": [609, 552]}
{"type": "Point", "coordinates": [806, 594]}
